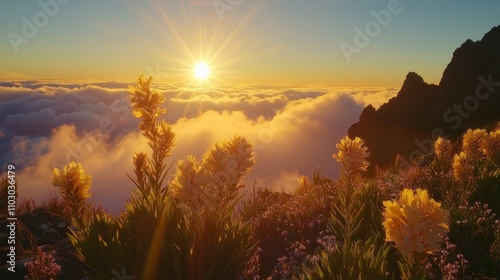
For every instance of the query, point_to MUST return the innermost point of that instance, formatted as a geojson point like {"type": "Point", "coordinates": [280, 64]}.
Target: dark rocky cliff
{"type": "Point", "coordinates": [468, 96]}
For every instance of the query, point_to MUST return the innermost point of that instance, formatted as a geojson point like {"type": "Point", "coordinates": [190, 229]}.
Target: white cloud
{"type": "Point", "coordinates": [292, 129]}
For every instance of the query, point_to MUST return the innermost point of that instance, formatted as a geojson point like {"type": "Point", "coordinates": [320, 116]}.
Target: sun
{"type": "Point", "coordinates": [201, 71]}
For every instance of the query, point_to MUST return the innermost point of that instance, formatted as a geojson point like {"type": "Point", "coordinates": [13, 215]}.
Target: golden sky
{"type": "Point", "coordinates": [320, 42]}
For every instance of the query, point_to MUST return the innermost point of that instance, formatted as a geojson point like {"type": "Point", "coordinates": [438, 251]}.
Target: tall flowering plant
{"type": "Point", "coordinates": [417, 225]}
{"type": "Point", "coordinates": [415, 222]}
{"type": "Point", "coordinates": [466, 163]}
{"type": "Point", "coordinates": [352, 155]}
{"type": "Point", "coordinates": [155, 237]}
{"type": "Point", "coordinates": [74, 185]}
{"type": "Point", "coordinates": [359, 251]}
{"type": "Point", "coordinates": [151, 172]}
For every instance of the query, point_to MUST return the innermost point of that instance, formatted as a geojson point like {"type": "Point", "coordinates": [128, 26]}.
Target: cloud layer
{"type": "Point", "coordinates": [47, 124]}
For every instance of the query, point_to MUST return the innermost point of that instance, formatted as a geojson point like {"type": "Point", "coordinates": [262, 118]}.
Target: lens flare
{"type": "Point", "coordinates": [201, 71]}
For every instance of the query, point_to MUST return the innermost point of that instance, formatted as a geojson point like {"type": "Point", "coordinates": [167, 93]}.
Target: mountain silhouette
{"type": "Point", "coordinates": [468, 96]}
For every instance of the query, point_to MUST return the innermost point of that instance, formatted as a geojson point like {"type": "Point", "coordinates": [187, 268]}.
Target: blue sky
{"type": "Point", "coordinates": [280, 41]}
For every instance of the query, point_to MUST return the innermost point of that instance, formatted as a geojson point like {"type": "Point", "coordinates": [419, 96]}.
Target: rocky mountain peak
{"type": "Point", "coordinates": [420, 112]}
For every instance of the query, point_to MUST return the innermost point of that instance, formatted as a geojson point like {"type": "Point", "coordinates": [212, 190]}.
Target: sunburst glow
{"type": "Point", "coordinates": [201, 71]}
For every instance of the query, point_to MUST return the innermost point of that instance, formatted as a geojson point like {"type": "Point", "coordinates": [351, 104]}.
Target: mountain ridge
{"type": "Point", "coordinates": [468, 96]}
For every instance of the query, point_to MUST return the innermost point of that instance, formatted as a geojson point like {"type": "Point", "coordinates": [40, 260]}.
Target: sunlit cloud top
{"type": "Point", "coordinates": [45, 125]}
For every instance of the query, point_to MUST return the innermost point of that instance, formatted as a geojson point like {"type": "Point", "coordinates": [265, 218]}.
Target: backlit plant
{"type": "Point", "coordinates": [161, 234]}
{"type": "Point", "coordinates": [359, 251]}
{"type": "Point", "coordinates": [432, 221]}
{"type": "Point", "coordinates": [415, 222]}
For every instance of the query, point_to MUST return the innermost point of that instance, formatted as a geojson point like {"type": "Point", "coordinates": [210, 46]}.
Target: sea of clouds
{"type": "Point", "coordinates": [44, 125]}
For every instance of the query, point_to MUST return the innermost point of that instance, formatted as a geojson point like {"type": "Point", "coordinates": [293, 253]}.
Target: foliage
{"type": "Point", "coordinates": [460, 174]}
{"type": "Point", "coordinates": [150, 172]}
{"type": "Point", "coordinates": [26, 205]}
{"type": "Point", "coordinates": [213, 184]}
{"type": "Point", "coordinates": [415, 222]}
{"type": "Point", "coordinates": [74, 186]}
{"type": "Point", "coordinates": [290, 228]}
{"type": "Point", "coordinates": [359, 251]}
{"type": "Point", "coordinates": [53, 204]}
{"type": "Point", "coordinates": [356, 260]}
{"type": "Point", "coordinates": [56, 205]}
{"type": "Point", "coordinates": [164, 233]}
{"type": "Point", "coordinates": [475, 230]}
{"type": "Point", "coordinates": [43, 267]}
{"type": "Point", "coordinates": [448, 264]}
{"type": "Point", "coordinates": [437, 220]}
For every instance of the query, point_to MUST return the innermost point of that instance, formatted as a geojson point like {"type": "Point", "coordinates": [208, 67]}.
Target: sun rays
{"type": "Point", "coordinates": [207, 45]}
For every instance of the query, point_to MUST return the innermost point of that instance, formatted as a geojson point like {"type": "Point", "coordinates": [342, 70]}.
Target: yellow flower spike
{"type": "Point", "coordinates": [443, 148]}
{"type": "Point", "coordinates": [415, 222]}
{"type": "Point", "coordinates": [73, 177]}
{"type": "Point", "coordinates": [462, 166]}
{"type": "Point", "coordinates": [352, 154]}
{"type": "Point", "coordinates": [473, 141]}
{"type": "Point", "coordinates": [472, 155]}
{"type": "Point", "coordinates": [491, 146]}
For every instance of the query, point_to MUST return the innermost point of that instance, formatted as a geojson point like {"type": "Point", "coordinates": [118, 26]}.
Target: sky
{"type": "Point", "coordinates": [290, 76]}
{"type": "Point", "coordinates": [251, 42]}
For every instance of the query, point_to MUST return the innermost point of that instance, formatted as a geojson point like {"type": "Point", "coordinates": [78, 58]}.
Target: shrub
{"type": "Point", "coordinates": [387, 227]}
{"type": "Point", "coordinates": [475, 230]}
{"type": "Point", "coordinates": [74, 186]}
{"type": "Point", "coordinates": [448, 264]}
{"type": "Point", "coordinates": [56, 205]}
{"type": "Point", "coordinates": [357, 253]}
{"type": "Point", "coordinates": [43, 267]}
{"type": "Point", "coordinates": [289, 226]}
{"type": "Point", "coordinates": [164, 233]}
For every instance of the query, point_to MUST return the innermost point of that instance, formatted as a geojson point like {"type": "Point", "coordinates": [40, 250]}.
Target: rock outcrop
{"type": "Point", "coordinates": [468, 96]}
{"type": "Point", "coordinates": [48, 230]}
